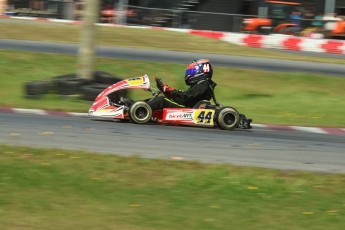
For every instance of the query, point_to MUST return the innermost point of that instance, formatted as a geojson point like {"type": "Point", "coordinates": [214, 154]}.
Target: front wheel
{"type": "Point", "coordinates": [140, 112]}
{"type": "Point", "coordinates": [227, 118]}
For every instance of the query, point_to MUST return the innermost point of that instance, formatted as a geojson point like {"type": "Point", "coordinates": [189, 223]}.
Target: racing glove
{"type": "Point", "coordinates": [164, 88]}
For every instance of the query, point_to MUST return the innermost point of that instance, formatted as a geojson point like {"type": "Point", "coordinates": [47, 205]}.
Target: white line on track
{"type": "Point", "coordinates": [30, 111]}
{"type": "Point", "coordinates": [309, 129]}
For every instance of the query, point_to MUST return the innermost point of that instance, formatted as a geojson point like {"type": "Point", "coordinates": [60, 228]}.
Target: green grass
{"type": "Point", "coordinates": [54, 189]}
{"type": "Point", "coordinates": [141, 38]}
{"type": "Point", "coordinates": [267, 97]}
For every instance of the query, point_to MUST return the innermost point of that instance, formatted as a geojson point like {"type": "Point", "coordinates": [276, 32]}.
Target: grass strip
{"type": "Point", "coordinates": [280, 98]}
{"type": "Point", "coordinates": [54, 189]}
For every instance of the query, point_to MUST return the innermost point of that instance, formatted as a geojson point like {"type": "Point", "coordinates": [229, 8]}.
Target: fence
{"type": "Point", "coordinates": [41, 8]}
{"type": "Point", "coordinates": [186, 19]}
{"type": "Point", "coordinates": [136, 15]}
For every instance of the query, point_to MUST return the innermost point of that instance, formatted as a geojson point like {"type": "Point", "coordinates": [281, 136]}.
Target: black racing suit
{"type": "Point", "coordinates": [202, 90]}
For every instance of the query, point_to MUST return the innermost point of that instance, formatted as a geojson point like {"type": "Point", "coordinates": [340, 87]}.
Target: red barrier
{"type": "Point", "coordinates": [253, 40]}
{"type": "Point", "coordinates": [209, 34]}
{"type": "Point", "coordinates": [333, 46]}
{"type": "Point", "coordinates": [292, 43]}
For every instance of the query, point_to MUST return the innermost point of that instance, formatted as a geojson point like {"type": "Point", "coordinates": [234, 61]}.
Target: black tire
{"type": "Point", "coordinates": [105, 78]}
{"type": "Point", "coordinates": [140, 112]}
{"type": "Point", "coordinates": [37, 88]}
{"type": "Point", "coordinates": [70, 86]}
{"type": "Point", "coordinates": [64, 77]}
{"type": "Point", "coordinates": [227, 118]}
{"type": "Point", "coordinates": [102, 77]}
{"type": "Point", "coordinates": [90, 92]}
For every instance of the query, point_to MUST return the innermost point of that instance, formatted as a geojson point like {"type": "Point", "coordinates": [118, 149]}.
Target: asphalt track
{"type": "Point", "coordinates": [278, 149]}
{"type": "Point", "coordinates": [284, 150]}
{"type": "Point", "coordinates": [182, 57]}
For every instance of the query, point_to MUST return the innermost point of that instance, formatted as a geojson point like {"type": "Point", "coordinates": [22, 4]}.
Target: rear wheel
{"type": "Point", "coordinates": [227, 118]}
{"type": "Point", "coordinates": [140, 112]}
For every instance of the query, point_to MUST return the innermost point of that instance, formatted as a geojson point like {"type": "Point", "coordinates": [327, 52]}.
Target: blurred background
{"type": "Point", "coordinates": [219, 15]}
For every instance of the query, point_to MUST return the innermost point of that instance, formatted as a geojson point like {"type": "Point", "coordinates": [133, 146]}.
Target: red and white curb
{"type": "Point", "coordinates": [41, 112]}
{"type": "Point", "coordinates": [319, 130]}
{"type": "Point", "coordinates": [287, 42]}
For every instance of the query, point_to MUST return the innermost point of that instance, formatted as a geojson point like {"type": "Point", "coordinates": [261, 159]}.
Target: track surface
{"type": "Point", "coordinates": [285, 150]}
{"type": "Point", "coordinates": [182, 57]}
{"type": "Point", "coordinates": [259, 147]}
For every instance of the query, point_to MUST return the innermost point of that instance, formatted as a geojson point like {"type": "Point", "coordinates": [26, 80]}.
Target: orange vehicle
{"type": "Point", "coordinates": [278, 19]}
{"type": "Point", "coordinates": [338, 31]}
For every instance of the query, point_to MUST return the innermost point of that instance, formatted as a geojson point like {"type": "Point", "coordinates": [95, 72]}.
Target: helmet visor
{"type": "Point", "coordinates": [190, 72]}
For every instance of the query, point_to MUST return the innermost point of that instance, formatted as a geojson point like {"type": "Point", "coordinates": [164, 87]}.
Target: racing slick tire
{"type": "Point", "coordinates": [227, 118]}
{"type": "Point", "coordinates": [140, 112]}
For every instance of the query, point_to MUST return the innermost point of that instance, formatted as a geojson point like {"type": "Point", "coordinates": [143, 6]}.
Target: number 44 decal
{"type": "Point", "coordinates": [204, 117]}
{"type": "Point", "coordinates": [206, 68]}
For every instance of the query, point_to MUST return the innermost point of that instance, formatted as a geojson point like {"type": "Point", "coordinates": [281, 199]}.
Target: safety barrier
{"type": "Point", "coordinates": [276, 41]}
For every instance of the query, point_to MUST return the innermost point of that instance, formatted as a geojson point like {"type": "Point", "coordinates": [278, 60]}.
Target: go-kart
{"type": "Point", "coordinates": [111, 104]}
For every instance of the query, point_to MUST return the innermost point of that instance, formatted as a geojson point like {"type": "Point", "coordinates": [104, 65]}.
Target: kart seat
{"type": "Point", "coordinates": [203, 104]}
{"type": "Point", "coordinates": [127, 102]}
{"type": "Point", "coordinates": [123, 101]}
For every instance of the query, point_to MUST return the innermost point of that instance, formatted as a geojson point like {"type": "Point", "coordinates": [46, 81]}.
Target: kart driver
{"type": "Point", "coordinates": [198, 76]}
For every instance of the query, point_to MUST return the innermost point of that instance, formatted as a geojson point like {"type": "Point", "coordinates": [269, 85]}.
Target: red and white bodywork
{"type": "Point", "coordinates": [102, 106]}
{"type": "Point", "coordinates": [140, 112]}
